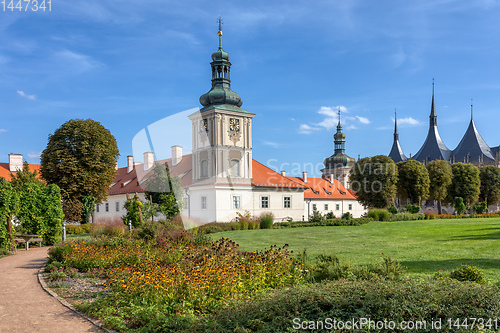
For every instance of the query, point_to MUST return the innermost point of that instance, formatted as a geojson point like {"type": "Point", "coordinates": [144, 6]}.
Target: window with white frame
{"type": "Point", "coordinates": [236, 201]}
{"type": "Point", "coordinates": [97, 208]}
{"type": "Point", "coordinates": [326, 206]}
{"type": "Point", "coordinates": [203, 202]}
{"type": "Point", "coordinates": [204, 168]}
{"type": "Point", "coordinates": [287, 202]}
{"type": "Point", "coordinates": [235, 168]}
{"type": "Point", "coordinates": [337, 207]}
{"type": "Point", "coordinates": [117, 206]}
{"type": "Point", "coordinates": [314, 207]}
{"type": "Point", "coordinates": [350, 206]}
{"type": "Point", "coordinates": [264, 202]}
{"type": "Point", "coordinates": [107, 207]}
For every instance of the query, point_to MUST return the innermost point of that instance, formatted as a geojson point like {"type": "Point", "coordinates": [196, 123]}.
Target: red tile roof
{"type": "Point", "coordinates": [266, 177]}
{"type": "Point", "coordinates": [319, 188]}
{"type": "Point", "coordinates": [5, 173]}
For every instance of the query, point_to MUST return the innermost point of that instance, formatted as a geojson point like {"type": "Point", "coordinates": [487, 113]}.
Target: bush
{"type": "Point", "coordinates": [430, 215]}
{"type": "Point", "coordinates": [379, 214]}
{"type": "Point", "coordinates": [407, 217]}
{"type": "Point", "coordinates": [316, 216]}
{"type": "Point", "coordinates": [344, 300]}
{"type": "Point", "coordinates": [459, 205]}
{"type": "Point", "coordinates": [467, 273]}
{"type": "Point", "coordinates": [329, 216]}
{"type": "Point", "coordinates": [266, 222]}
{"type": "Point", "coordinates": [346, 216]}
{"type": "Point", "coordinates": [412, 209]}
{"type": "Point", "coordinates": [480, 207]}
{"type": "Point", "coordinates": [392, 209]}
{"type": "Point", "coordinates": [73, 229]}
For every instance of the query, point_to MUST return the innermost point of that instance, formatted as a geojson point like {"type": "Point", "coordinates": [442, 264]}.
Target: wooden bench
{"type": "Point", "coordinates": [26, 241]}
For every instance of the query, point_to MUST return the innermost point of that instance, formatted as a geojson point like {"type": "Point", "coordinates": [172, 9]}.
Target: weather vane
{"type": "Point", "coordinates": [219, 20]}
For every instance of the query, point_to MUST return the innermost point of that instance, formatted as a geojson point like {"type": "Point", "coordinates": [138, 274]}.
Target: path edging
{"type": "Point", "coordinates": [45, 287]}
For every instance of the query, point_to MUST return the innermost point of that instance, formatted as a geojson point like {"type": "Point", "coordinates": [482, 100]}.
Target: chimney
{"type": "Point", "coordinates": [176, 155]}
{"type": "Point", "coordinates": [304, 176]}
{"type": "Point", "coordinates": [15, 162]}
{"type": "Point", "coordinates": [331, 178]}
{"type": "Point", "coordinates": [283, 173]}
{"type": "Point", "coordinates": [149, 160]}
{"type": "Point", "coordinates": [130, 163]}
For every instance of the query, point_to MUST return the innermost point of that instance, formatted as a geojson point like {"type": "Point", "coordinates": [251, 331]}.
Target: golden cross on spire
{"type": "Point", "coordinates": [219, 20]}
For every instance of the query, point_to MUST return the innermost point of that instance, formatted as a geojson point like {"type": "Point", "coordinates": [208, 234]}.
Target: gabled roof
{"type": "Point", "coordinates": [5, 173]}
{"type": "Point", "coordinates": [320, 188]}
{"type": "Point", "coordinates": [473, 148]}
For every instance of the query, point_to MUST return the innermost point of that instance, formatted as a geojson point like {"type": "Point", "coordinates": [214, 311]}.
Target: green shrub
{"type": "Point", "coordinates": [407, 217]}
{"type": "Point", "coordinates": [412, 209]}
{"type": "Point", "coordinates": [468, 273]}
{"type": "Point", "coordinates": [316, 216]}
{"type": "Point", "coordinates": [346, 216]}
{"type": "Point", "coordinates": [396, 300]}
{"type": "Point", "coordinates": [379, 214]}
{"type": "Point", "coordinates": [58, 252]}
{"type": "Point", "coordinates": [480, 207]}
{"type": "Point", "coordinates": [266, 222]}
{"type": "Point", "coordinates": [329, 216]}
{"type": "Point", "coordinates": [459, 205]}
{"type": "Point", "coordinates": [87, 228]}
{"type": "Point", "coordinates": [392, 208]}
{"type": "Point", "coordinates": [73, 229]}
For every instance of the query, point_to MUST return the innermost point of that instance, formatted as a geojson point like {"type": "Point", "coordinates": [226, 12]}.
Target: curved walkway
{"type": "Point", "coordinates": [25, 306]}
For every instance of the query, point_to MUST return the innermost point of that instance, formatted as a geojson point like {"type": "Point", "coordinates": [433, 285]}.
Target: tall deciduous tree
{"type": "Point", "coordinates": [490, 184]}
{"type": "Point", "coordinates": [25, 176]}
{"type": "Point", "coordinates": [374, 180]}
{"type": "Point", "coordinates": [80, 158]}
{"type": "Point", "coordinates": [465, 183]}
{"type": "Point", "coordinates": [413, 181]}
{"type": "Point", "coordinates": [440, 176]}
{"type": "Point", "coordinates": [9, 207]}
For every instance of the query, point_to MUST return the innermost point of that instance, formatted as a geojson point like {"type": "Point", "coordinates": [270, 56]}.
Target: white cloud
{"type": "Point", "coordinates": [23, 94]}
{"type": "Point", "coordinates": [75, 62]}
{"type": "Point", "coordinates": [272, 144]}
{"type": "Point", "coordinates": [408, 121]}
{"type": "Point", "coordinates": [3, 130]}
{"type": "Point", "coordinates": [363, 120]}
{"type": "Point", "coordinates": [306, 129]}
{"type": "Point", "coordinates": [332, 111]}
{"type": "Point", "coordinates": [34, 155]}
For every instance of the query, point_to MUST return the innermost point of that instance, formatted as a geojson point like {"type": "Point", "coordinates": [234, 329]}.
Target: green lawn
{"type": "Point", "coordinates": [423, 246]}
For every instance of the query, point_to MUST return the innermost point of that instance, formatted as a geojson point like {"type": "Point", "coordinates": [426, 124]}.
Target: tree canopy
{"type": "Point", "coordinates": [25, 176]}
{"type": "Point", "coordinates": [9, 207]}
{"type": "Point", "coordinates": [465, 183]}
{"type": "Point", "coordinates": [490, 184]}
{"type": "Point", "coordinates": [440, 176]}
{"type": "Point", "coordinates": [413, 181]}
{"type": "Point", "coordinates": [374, 180]}
{"type": "Point", "coordinates": [80, 158]}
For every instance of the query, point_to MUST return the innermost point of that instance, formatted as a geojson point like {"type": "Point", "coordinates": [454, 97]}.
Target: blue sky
{"type": "Point", "coordinates": [128, 64]}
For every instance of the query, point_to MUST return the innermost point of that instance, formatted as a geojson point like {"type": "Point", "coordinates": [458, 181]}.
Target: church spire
{"type": "Point", "coordinates": [221, 93]}
{"type": "Point", "coordinates": [396, 153]}
{"type": "Point", "coordinates": [433, 116]}
{"type": "Point", "coordinates": [471, 112]}
{"type": "Point", "coordinates": [396, 134]}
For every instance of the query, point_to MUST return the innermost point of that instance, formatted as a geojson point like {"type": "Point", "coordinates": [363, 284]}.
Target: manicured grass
{"type": "Point", "coordinates": [423, 246]}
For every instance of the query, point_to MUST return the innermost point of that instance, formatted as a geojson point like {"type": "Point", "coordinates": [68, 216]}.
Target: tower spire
{"type": "Point", "coordinates": [471, 111]}
{"type": "Point", "coordinates": [219, 20]}
{"type": "Point", "coordinates": [339, 116]}
{"type": "Point", "coordinates": [396, 134]}
{"type": "Point", "coordinates": [433, 116]}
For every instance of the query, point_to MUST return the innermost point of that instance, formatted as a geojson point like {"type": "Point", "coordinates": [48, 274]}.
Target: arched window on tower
{"type": "Point", "coordinates": [204, 168]}
{"type": "Point", "coordinates": [235, 168]}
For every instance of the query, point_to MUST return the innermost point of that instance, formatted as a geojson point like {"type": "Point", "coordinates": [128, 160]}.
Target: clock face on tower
{"type": "Point", "coordinates": [234, 125]}
{"type": "Point", "coordinates": [204, 125]}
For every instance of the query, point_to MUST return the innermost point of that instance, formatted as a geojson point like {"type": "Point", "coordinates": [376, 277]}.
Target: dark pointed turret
{"type": "Point", "coordinates": [472, 148]}
{"type": "Point", "coordinates": [433, 147]}
{"type": "Point", "coordinates": [221, 95]}
{"type": "Point", "coordinates": [396, 153]}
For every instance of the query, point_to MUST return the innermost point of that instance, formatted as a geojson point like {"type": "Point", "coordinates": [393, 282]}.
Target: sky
{"type": "Point", "coordinates": [130, 64]}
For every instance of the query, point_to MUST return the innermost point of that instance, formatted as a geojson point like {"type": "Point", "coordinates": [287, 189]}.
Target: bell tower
{"type": "Point", "coordinates": [222, 130]}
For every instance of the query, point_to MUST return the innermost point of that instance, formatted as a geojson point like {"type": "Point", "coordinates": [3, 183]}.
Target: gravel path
{"type": "Point", "coordinates": [25, 306]}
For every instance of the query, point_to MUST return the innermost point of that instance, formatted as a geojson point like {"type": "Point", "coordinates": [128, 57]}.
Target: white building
{"type": "Point", "coordinates": [220, 177]}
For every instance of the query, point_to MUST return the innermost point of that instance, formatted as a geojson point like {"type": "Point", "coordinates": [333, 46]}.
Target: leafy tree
{"type": "Point", "coordinates": [374, 180]}
{"type": "Point", "coordinates": [465, 183]}
{"type": "Point", "coordinates": [41, 210]}
{"type": "Point", "coordinates": [164, 189]}
{"type": "Point", "coordinates": [490, 184]}
{"type": "Point", "coordinates": [80, 158]}
{"type": "Point", "coordinates": [440, 176]}
{"type": "Point", "coordinates": [134, 213]}
{"type": "Point", "coordinates": [88, 206]}
{"type": "Point", "coordinates": [25, 176]}
{"type": "Point", "coordinates": [9, 207]}
{"type": "Point", "coordinates": [413, 181]}
{"type": "Point", "coordinates": [480, 207]}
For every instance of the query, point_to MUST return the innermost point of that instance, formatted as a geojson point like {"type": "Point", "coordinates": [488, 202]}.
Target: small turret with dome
{"type": "Point", "coordinates": [221, 95]}
{"type": "Point", "coordinates": [339, 164]}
